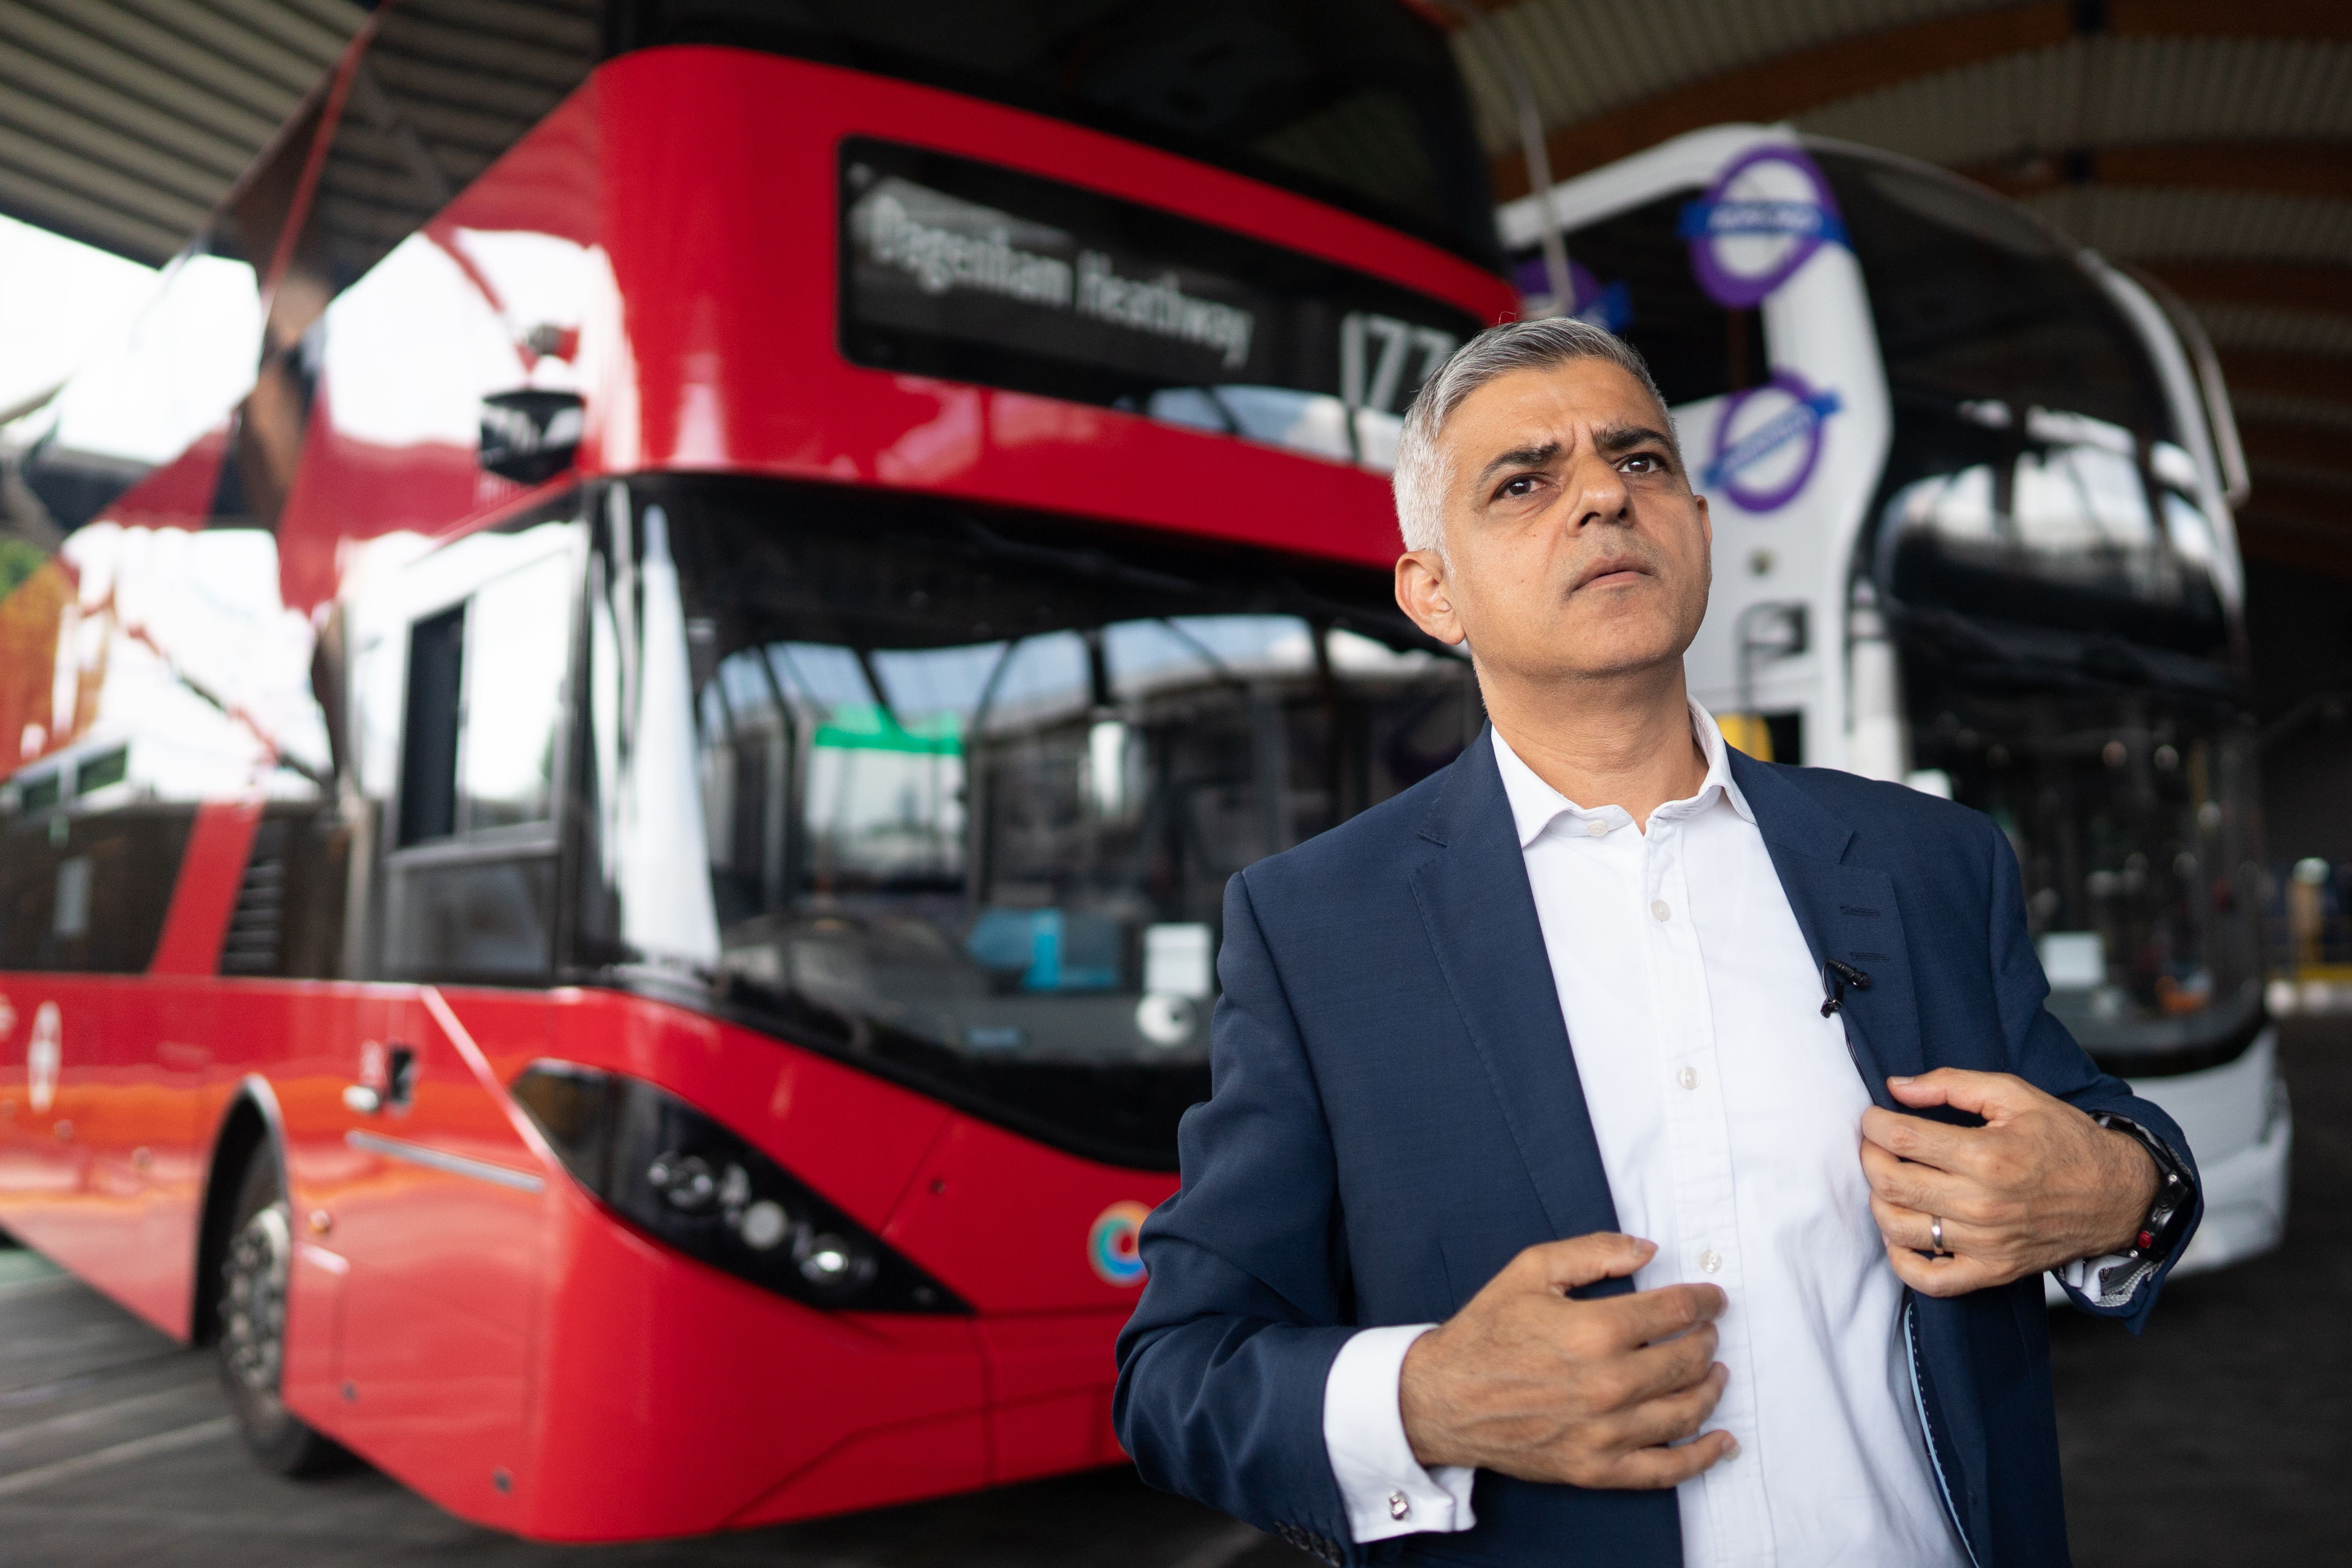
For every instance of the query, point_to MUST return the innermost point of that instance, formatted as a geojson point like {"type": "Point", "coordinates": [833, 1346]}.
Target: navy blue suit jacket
{"type": "Point", "coordinates": [1396, 1114]}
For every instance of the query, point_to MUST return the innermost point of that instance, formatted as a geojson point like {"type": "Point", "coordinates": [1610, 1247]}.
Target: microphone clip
{"type": "Point", "coordinates": [1835, 978]}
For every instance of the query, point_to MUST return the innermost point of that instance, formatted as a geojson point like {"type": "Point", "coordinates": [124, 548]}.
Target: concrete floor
{"type": "Point", "coordinates": [2218, 1438]}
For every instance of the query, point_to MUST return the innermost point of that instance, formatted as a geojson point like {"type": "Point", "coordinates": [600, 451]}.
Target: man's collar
{"type": "Point", "coordinates": [1534, 804]}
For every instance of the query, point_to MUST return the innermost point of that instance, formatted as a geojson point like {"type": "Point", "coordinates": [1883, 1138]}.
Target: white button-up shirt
{"type": "Point", "coordinates": [1728, 1115]}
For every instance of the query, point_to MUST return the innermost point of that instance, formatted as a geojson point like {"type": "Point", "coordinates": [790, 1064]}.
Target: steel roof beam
{"type": "Point", "coordinates": [2290, 285]}
{"type": "Point", "coordinates": [2297, 376]}
{"type": "Point", "coordinates": [2279, 167]}
{"type": "Point", "coordinates": [2318, 448]}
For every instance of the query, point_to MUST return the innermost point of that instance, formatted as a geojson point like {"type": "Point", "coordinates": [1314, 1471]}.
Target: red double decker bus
{"type": "Point", "coordinates": [656, 652]}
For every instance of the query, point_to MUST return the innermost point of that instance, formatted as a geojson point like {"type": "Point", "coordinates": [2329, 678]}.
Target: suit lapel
{"type": "Point", "coordinates": [1480, 914]}
{"type": "Point", "coordinates": [1848, 913]}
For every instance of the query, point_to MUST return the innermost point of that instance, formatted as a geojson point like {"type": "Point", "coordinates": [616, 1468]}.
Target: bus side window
{"type": "Point", "coordinates": [86, 891]}
{"type": "Point", "coordinates": [472, 873]}
{"type": "Point", "coordinates": [428, 780]}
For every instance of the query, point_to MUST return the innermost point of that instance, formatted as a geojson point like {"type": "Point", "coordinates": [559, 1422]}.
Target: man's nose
{"type": "Point", "coordinates": [1600, 493]}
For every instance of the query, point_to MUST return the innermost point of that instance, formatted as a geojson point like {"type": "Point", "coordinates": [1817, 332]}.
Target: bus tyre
{"type": "Point", "coordinates": [253, 1276]}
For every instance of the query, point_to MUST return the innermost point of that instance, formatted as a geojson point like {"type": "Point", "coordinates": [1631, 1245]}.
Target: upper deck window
{"type": "Point", "coordinates": [2036, 477]}
{"type": "Point", "coordinates": [1355, 103]}
{"type": "Point", "coordinates": [1975, 302]}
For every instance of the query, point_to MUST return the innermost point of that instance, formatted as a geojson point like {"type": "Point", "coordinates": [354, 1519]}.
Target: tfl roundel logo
{"type": "Point", "coordinates": [1111, 1244]}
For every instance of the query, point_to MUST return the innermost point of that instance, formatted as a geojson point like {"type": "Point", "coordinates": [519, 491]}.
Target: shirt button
{"type": "Point", "coordinates": [1687, 1077]}
{"type": "Point", "coordinates": [1659, 909]}
{"type": "Point", "coordinates": [1710, 1261]}
{"type": "Point", "coordinates": [1596, 829]}
{"type": "Point", "coordinates": [1399, 1506]}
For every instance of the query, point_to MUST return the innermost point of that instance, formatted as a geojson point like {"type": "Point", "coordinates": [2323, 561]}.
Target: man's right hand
{"type": "Point", "coordinates": [1528, 1382]}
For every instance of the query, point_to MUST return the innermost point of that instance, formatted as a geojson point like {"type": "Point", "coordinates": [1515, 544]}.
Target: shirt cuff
{"type": "Point", "coordinates": [1387, 1491]}
{"type": "Point", "coordinates": [2108, 1281]}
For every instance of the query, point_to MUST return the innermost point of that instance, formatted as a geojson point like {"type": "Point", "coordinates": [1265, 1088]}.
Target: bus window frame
{"type": "Point", "coordinates": [432, 586]}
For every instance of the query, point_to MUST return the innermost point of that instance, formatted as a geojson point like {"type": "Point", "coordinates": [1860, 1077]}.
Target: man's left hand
{"type": "Point", "coordinates": [2038, 1185]}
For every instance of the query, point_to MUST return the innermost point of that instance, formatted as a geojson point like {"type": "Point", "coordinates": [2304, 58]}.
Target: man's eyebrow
{"type": "Point", "coordinates": [1612, 440]}
{"type": "Point", "coordinates": [1520, 457]}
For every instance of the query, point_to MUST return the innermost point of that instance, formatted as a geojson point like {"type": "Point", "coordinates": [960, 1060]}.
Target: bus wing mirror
{"type": "Point", "coordinates": [531, 436]}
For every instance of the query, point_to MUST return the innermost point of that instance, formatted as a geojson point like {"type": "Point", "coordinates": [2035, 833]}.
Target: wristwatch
{"type": "Point", "coordinates": [2175, 1186]}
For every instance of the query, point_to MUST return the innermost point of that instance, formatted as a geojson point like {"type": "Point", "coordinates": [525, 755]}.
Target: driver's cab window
{"type": "Point", "coordinates": [470, 884]}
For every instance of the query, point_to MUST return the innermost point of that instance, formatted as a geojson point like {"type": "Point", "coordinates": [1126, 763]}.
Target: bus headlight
{"type": "Point", "coordinates": [672, 1172]}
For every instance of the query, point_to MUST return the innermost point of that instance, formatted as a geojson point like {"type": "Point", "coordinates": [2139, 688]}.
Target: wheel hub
{"type": "Point", "coordinates": [253, 1300]}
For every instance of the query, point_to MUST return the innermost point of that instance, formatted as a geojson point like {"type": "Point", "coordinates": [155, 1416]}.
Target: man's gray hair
{"type": "Point", "coordinates": [1423, 473]}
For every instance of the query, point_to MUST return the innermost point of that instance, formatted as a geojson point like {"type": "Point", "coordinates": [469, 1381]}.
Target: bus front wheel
{"type": "Point", "coordinates": [252, 1346]}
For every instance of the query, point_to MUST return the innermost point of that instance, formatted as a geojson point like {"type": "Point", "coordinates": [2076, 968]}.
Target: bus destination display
{"type": "Point", "coordinates": [980, 273]}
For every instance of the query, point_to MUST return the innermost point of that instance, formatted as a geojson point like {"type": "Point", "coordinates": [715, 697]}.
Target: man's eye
{"type": "Point", "coordinates": [1644, 463]}
{"type": "Point", "coordinates": [1520, 488]}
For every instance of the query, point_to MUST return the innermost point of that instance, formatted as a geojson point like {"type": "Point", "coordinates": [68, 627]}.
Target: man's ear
{"type": "Point", "coordinates": [1422, 594]}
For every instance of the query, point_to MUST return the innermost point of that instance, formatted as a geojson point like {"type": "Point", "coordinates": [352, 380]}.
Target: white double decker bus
{"type": "Point", "coordinates": [1971, 490]}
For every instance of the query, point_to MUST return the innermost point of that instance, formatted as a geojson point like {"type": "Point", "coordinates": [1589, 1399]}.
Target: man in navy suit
{"type": "Point", "coordinates": [1622, 1151]}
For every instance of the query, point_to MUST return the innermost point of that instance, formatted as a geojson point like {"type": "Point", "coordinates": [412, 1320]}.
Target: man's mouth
{"type": "Point", "coordinates": [1617, 573]}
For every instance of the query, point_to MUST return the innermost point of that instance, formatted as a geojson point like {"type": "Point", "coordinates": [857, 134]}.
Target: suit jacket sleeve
{"type": "Point", "coordinates": [2043, 1054]}
{"type": "Point", "coordinates": [1222, 1369]}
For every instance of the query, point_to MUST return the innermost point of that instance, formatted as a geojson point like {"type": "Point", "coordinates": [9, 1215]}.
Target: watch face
{"type": "Point", "coordinates": [2172, 1193]}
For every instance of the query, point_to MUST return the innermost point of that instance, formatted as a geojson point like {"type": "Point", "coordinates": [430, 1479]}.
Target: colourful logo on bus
{"type": "Point", "coordinates": [1112, 1244]}
{"type": "Point", "coordinates": [1764, 218]}
{"type": "Point", "coordinates": [1767, 442]}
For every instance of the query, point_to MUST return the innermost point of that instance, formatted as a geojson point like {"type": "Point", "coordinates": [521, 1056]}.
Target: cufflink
{"type": "Point", "coordinates": [1399, 1506]}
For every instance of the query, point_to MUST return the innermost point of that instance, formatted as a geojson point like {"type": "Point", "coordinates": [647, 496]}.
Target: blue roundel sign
{"type": "Point", "coordinates": [1606, 305]}
{"type": "Point", "coordinates": [1764, 218]}
{"type": "Point", "coordinates": [1767, 442]}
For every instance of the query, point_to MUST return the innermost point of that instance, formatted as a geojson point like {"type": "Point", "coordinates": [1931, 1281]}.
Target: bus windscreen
{"type": "Point", "coordinates": [960, 795]}
{"type": "Point", "coordinates": [2036, 477]}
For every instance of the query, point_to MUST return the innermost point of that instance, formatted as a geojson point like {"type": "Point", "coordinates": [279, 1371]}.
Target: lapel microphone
{"type": "Point", "coordinates": [1835, 978]}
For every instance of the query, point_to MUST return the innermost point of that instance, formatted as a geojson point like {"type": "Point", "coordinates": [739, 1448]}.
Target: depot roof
{"type": "Point", "coordinates": [2211, 145]}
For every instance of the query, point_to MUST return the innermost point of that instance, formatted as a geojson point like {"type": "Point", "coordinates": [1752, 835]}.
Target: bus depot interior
{"type": "Point", "coordinates": [652, 755]}
{"type": "Point", "coordinates": [660, 737]}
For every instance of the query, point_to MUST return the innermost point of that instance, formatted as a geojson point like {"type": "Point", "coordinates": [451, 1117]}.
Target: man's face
{"type": "Point", "coordinates": [1575, 547]}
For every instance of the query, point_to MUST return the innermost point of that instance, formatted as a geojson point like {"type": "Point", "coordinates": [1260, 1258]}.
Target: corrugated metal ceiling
{"type": "Point", "coordinates": [124, 122]}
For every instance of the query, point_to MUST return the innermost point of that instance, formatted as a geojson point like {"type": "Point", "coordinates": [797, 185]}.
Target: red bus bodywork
{"type": "Point", "coordinates": [559, 1374]}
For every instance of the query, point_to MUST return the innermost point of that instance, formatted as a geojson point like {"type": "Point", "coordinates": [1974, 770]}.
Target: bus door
{"type": "Point", "coordinates": [462, 670]}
